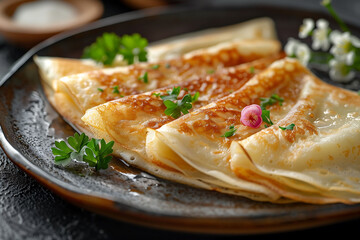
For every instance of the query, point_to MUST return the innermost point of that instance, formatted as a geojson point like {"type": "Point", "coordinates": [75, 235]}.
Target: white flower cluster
{"type": "Point", "coordinates": [344, 48]}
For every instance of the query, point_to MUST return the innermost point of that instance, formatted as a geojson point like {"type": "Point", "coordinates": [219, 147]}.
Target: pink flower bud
{"type": "Point", "coordinates": [251, 116]}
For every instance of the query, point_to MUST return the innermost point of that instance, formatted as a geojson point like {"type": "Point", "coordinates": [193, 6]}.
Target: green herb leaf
{"type": "Point", "coordinates": [230, 133]}
{"type": "Point", "coordinates": [155, 66]}
{"type": "Point", "coordinates": [270, 101]}
{"type": "Point", "coordinates": [98, 153]}
{"type": "Point", "coordinates": [210, 71]}
{"type": "Point", "coordinates": [100, 89]}
{"type": "Point", "coordinates": [64, 152]}
{"type": "Point", "coordinates": [105, 48]}
{"type": "Point", "coordinates": [174, 109]}
{"type": "Point", "coordinates": [265, 115]}
{"type": "Point", "coordinates": [173, 95]}
{"type": "Point", "coordinates": [156, 94]}
{"type": "Point", "coordinates": [195, 97]}
{"type": "Point", "coordinates": [289, 127]}
{"type": "Point", "coordinates": [77, 142]}
{"type": "Point", "coordinates": [116, 89]}
{"type": "Point", "coordinates": [252, 70]}
{"type": "Point", "coordinates": [144, 78]}
{"type": "Point", "coordinates": [80, 148]}
{"type": "Point", "coordinates": [133, 47]}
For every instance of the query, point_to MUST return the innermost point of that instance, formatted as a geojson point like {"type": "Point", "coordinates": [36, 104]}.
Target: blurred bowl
{"type": "Point", "coordinates": [26, 37]}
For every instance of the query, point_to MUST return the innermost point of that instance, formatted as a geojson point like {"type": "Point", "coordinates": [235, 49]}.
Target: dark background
{"type": "Point", "coordinates": [30, 211]}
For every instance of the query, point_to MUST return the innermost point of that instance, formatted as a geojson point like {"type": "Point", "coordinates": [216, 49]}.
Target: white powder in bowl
{"type": "Point", "coordinates": [44, 13]}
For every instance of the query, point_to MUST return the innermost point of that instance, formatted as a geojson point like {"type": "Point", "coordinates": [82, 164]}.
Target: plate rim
{"type": "Point", "coordinates": [73, 195]}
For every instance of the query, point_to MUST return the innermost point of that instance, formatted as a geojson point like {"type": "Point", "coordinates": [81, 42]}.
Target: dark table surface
{"type": "Point", "coordinates": [30, 211]}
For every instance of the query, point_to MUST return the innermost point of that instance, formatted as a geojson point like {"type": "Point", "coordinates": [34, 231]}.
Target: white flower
{"type": "Point", "coordinates": [349, 58]}
{"type": "Point", "coordinates": [306, 28]}
{"type": "Point", "coordinates": [303, 53]}
{"type": "Point", "coordinates": [343, 44]}
{"type": "Point", "coordinates": [339, 71]}
{"type": "Point", "coordinates": [320, 35]}
{"type": "Point", "coordinates": [291, 46]}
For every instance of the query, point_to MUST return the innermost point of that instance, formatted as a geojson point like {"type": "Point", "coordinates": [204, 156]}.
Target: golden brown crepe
{"type": "Point", "coordinates": [316, 162]}
{"type": "Point", "coordinates": [322, 152]}
{"type": "Point", "coordinates": [75, 94]}
{"type": "Point", "coordinates": [53, 68]}
{"type": "Point", "coordinates": [126, 120]}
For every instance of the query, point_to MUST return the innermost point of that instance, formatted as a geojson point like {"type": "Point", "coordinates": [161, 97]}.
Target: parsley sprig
{"type": "Point", "coordinates": [95, 152]}
{"type": "Point", "coordinates": [264, 102]}
{"type": "Point", "coordinates": [230, 132]}
{"type": "Point", "coordinates": [144, 78]}
{"type": "Point", "coordinates": [175, 107]}
{"type": "Point", "coordinates": [109, 45]}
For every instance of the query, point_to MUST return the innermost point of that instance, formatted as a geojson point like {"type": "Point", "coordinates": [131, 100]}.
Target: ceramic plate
{"type": "Point", "coordinates": [30, 125]}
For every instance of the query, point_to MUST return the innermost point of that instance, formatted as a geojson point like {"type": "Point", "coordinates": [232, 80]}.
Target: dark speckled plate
{"type": "Point", "coordinates": [30, 126]}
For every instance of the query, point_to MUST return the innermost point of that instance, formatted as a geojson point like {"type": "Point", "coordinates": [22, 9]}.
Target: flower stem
{"type": "Point", "coordinates": [327, 4]}
{"type": "Point", "coordinates": [320, 57]}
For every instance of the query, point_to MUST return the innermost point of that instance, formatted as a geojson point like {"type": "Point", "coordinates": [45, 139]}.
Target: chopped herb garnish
{"type": "Point", "coordinates": [195, 97]}
{"type": "Point", "coordinates": [230, 133]}
{"type": "Point", "coordinates": [100, 89]}
{"type": "Point", "coordinates": [252, 70]}
{"type": "Point", "coordinates": [210, 71]}
{"type": "Point", "coordinates": [116, 89]}
{"type": "Point", "coordinates": [173, 95]}
{"type": "Point", "coordinates": [174, 109]}
{"type": "Point", "coordinates": [265, 115]}
{"type": "Point", "coordinates": [289, 127]}
{"type": "Point", "coordinates": [155, 66]}
{"type": "Point", "coordinates": [144, 78]}
{"type": "Point", "coordinates": [270, 101]}
{"type": "Point", "coordinates": [185, 89]}
{"type": "Point", "coordinates": [167, 65]}
{"type": "Point", "coordinates": [106, 47]}
{"type": "Point", "coordinates": [95, 152]}
{"type": "Point", "coordinates": [156, 94]}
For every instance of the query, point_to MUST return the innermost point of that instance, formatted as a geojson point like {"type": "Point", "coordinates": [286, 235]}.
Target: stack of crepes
{"type": "Point", "coordinates": [318, 161]}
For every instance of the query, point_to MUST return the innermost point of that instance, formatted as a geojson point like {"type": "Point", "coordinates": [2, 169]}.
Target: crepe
{"type": "Point", "coordinates": [259, 28]}
{"type": "Point", "coordinates": [53, 68]}
{"type": "Point", "coordinates": [322, 152]}
{"type": "Point", "coordinates": [126, 120]}
{"type": "Point", "coordinates": [75, 94]}
{"type": "Point", "coordinates": [315, 163]}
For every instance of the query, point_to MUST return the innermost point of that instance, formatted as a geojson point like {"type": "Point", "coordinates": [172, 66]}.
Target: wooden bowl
{"type": "Point", "coordinates": [26, 37]}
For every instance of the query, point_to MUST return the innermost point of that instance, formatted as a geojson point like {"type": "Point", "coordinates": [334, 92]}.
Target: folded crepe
{"type": "Point", "coordinates": [53, 68]}
{"type": "Point", "coordinates": [127, 120]}
{"type": "Point", "coordinates": [259, 28]}
{"type": "Point", "coordinates": [75, 94]}
{"type": "Point", "coordinates": [316, 162]}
